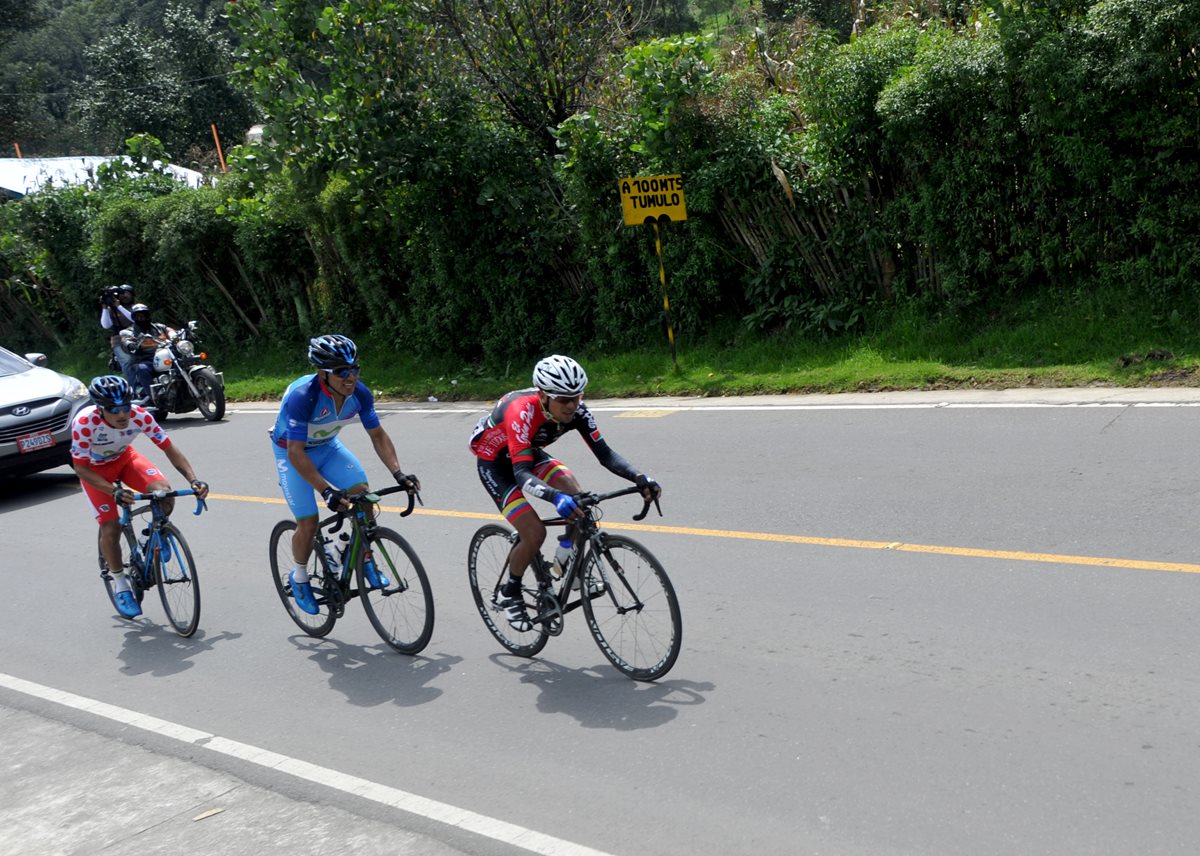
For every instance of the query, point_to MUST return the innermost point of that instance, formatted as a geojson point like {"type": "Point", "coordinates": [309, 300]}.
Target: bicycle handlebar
{"type": "Point", "coordinates": [159, 495]}
{"type": "Point", "coordinates": [353, 498]}
{"type": "Point", "coordinates": [589, 499]}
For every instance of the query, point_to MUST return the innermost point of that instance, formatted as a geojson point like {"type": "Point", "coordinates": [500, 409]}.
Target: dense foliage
{"type": "Point", "coordinates": [445, 177]}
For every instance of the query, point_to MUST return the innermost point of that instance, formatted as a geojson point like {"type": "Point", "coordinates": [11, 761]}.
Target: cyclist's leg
{"type": "Point", "coordinates": [500, 483]}
{"type": "Point", "coordinates": [338, 466]}
{"type": "Point", "coordinates": [105, 508]}
{"type": "Point", "coordinates": [556, 474]}
{"type": "Point", "coordinates": [105, 511]}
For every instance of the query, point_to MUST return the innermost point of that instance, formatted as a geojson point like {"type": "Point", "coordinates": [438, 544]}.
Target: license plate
{"type": "Point", "coordinates": [33, 442]}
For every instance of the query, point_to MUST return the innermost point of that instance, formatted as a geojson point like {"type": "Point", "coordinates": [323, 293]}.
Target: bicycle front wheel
{"type": "Point", "coordinates": [395, 592]}
{"type": "Point", "coordinates": [281, 566]}
{"type": "Point", "coordinates": [635, 620]}
{"type": "Point", "coordinates": [178, 584]}
{"type": "Point", "coordinates": [487, 566]}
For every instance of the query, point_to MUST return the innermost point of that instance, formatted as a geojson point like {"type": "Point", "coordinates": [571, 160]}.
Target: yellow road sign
{"type": "Point", "coordinates": [647, 198]}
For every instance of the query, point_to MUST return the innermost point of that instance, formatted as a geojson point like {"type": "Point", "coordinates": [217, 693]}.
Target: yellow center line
{"type": "Point", "coordinates": [851, 543]}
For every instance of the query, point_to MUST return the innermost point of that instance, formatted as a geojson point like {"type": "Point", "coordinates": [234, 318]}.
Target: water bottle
{"type": "Point", "coordinates": [332, 562]}
{"type": "Point", "coordinates": [560, 557]}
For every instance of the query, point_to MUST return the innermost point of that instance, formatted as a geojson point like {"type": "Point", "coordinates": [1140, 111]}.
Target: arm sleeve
{"type": "Point", "coordinates": [585, 423]}
{"type": "Point", "coordinates": [106, 318]}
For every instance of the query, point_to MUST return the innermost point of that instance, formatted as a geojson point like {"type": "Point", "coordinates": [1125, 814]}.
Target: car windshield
{"type": "Point", "coordinates": [11, 364]}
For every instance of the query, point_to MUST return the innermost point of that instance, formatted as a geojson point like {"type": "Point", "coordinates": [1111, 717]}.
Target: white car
{"type": "Point", "coordinates": [37, 405]}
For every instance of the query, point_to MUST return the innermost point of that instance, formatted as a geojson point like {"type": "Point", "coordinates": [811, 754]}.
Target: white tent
{"type": "Point", "coordinates": [21, 176]}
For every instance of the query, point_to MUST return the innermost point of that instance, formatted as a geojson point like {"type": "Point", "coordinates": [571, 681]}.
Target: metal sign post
{"type": "Point", "coordinates": [651, 199]}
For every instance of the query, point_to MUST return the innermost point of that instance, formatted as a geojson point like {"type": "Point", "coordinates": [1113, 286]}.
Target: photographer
{"type": "Point", "coordinates": [116, 313]}
{"type": "Point", "coordinates": [140, 340]}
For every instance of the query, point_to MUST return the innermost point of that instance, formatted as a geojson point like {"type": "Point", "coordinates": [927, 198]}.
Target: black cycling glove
{"type": "Point", "coordinates": [333, 498]}
{"type": "Point", "coordinates": [408, 482]}
{"type": "Point", "coordinates": [644, 481]}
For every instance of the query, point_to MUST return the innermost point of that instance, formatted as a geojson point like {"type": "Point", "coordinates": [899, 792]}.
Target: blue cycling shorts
{"type": "Point", "coordinates": [336, 464]}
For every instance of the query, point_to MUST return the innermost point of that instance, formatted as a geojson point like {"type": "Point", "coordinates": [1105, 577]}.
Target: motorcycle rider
{"type": "Point", "coordinates": [141, 339]}
{"type": "Point", "coordinates": [116, 314]}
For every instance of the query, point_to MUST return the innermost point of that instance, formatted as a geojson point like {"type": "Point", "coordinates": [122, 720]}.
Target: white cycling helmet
{"type": "Point", "coordinates": [559, 375]}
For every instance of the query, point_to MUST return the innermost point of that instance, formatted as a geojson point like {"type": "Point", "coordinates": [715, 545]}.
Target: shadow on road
{"type": "Point", "coordinates": [48, 486]}
{"type": "Point", "coordinates": [159, 651]}
{"type": "Point", "coordinates": [601, 697]}
{"type": "Point", "coordinates": [377, 675]}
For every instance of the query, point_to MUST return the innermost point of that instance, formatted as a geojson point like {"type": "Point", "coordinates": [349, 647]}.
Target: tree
{"type": "Point", "coordinates": [540, 59]}
{"type": "Point", "coordinates": [173, 84]}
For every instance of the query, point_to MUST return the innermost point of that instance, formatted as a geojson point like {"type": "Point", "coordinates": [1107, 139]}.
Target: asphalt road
{"type": "Point", "coordinates": [908, 629]}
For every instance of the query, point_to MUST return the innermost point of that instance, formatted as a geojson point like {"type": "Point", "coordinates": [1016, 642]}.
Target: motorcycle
{"type": "Point", "coordinates": [182, 381]}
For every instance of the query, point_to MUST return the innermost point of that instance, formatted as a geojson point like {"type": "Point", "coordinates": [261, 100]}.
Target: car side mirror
{"type": "Point", "coordinates": [37, 359]}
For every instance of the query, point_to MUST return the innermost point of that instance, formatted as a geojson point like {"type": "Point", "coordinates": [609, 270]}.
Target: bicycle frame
{"type": "Point", "coordinates": [152, 546]}
{"type": "Point", "coordinates": [558, 602]}
{"type": "Point", "coordinates": [362, 527]}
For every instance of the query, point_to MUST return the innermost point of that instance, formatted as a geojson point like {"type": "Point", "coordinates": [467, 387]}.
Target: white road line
{"type": "Point", "coordinates": [489, 827]}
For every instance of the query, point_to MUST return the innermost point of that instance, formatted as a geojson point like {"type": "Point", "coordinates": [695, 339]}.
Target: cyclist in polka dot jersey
{"type": "Point", "coordinates": [102, 454]}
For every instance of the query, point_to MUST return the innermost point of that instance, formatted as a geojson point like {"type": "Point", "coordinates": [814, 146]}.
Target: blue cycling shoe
{"type": "Point", "coordinates": [127, 604]}
{"type": "Point", "coordinates": [303, 594]}
{"type": "Point", "coordinates": [374, 578]}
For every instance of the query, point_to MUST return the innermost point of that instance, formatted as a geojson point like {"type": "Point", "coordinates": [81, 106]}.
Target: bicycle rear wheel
{"type": "Point", "coordinates": [178, 584]}
{"type": "Point", "coordinates": [635, 620]}
{"type": "Point", "coordinates": [281, 566]}
{"type": "Point", "coordinates": [400, 607]}
{"type": "Point", "coordinates": [135, 572]}
{"type": "Point", "coordinates": [487, 566]}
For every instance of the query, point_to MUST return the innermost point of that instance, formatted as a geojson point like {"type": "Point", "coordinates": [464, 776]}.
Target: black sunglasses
{"type": "Point", "coordinates": [348, 371]}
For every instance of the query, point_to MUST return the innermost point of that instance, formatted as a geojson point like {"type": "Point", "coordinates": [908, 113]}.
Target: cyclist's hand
{"type": "Point", "coordinates": [335, 499]}
{"type": "Point", "coordinates": [200, 487]}
{"type": "Point", "coordinates": [567, 507]}
{"type": "Point", "coordinates": [651, 490]}
{"type": "Point", "coordinates": [409, 482]}
{"type": "Point", "coordinates": [123, 496]}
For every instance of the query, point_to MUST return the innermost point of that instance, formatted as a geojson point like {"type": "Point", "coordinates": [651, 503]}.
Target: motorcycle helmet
{"type": "Point", "coordinates": [125, 288]}
{"type": "Point", "coordinates": [559, 375]}
{"type": "Point", "coordinates": [140, 313]}
{"type": "Point", "coordinates": [332, 351]}
{"type": "Point", "coordinates": [109, 391]}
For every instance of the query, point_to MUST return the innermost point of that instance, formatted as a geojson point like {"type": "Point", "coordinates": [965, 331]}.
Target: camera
{"type": "Point", "coordinates": [108, 297]}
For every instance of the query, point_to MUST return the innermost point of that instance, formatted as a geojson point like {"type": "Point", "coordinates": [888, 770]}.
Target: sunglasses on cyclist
{"type": "Point", "coordinates": [348, 371]}
{"type": "Point", "coordinates": [567, 399]}
{"type": "Point", "coordinates": [119, 409]}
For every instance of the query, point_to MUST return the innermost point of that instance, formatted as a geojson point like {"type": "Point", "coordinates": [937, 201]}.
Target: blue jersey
{"type": "Point", "coordinates": [309, 416]}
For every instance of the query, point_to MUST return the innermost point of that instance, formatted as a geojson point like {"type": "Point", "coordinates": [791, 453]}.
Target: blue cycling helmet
{"type": "Point", "coordinates": [110, 391]}
{"type": "Point", "coordinates": [332, 351]}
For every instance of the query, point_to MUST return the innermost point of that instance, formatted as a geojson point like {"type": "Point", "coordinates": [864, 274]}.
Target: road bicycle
{"type": "Point", "coordinates": [371, 563]}
{"type": "Point", "coordinates": [159, 556]}
{"type": "Point", "coordinates": [630, 606]}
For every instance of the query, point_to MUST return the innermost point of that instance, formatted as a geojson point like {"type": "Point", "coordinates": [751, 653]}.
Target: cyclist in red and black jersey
{"type": "Point", "coordinates": [509, 444]}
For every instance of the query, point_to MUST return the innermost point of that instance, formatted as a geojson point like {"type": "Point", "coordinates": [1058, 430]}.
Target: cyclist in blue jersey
{"type": "Point", "coordinates": [309, 456]}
